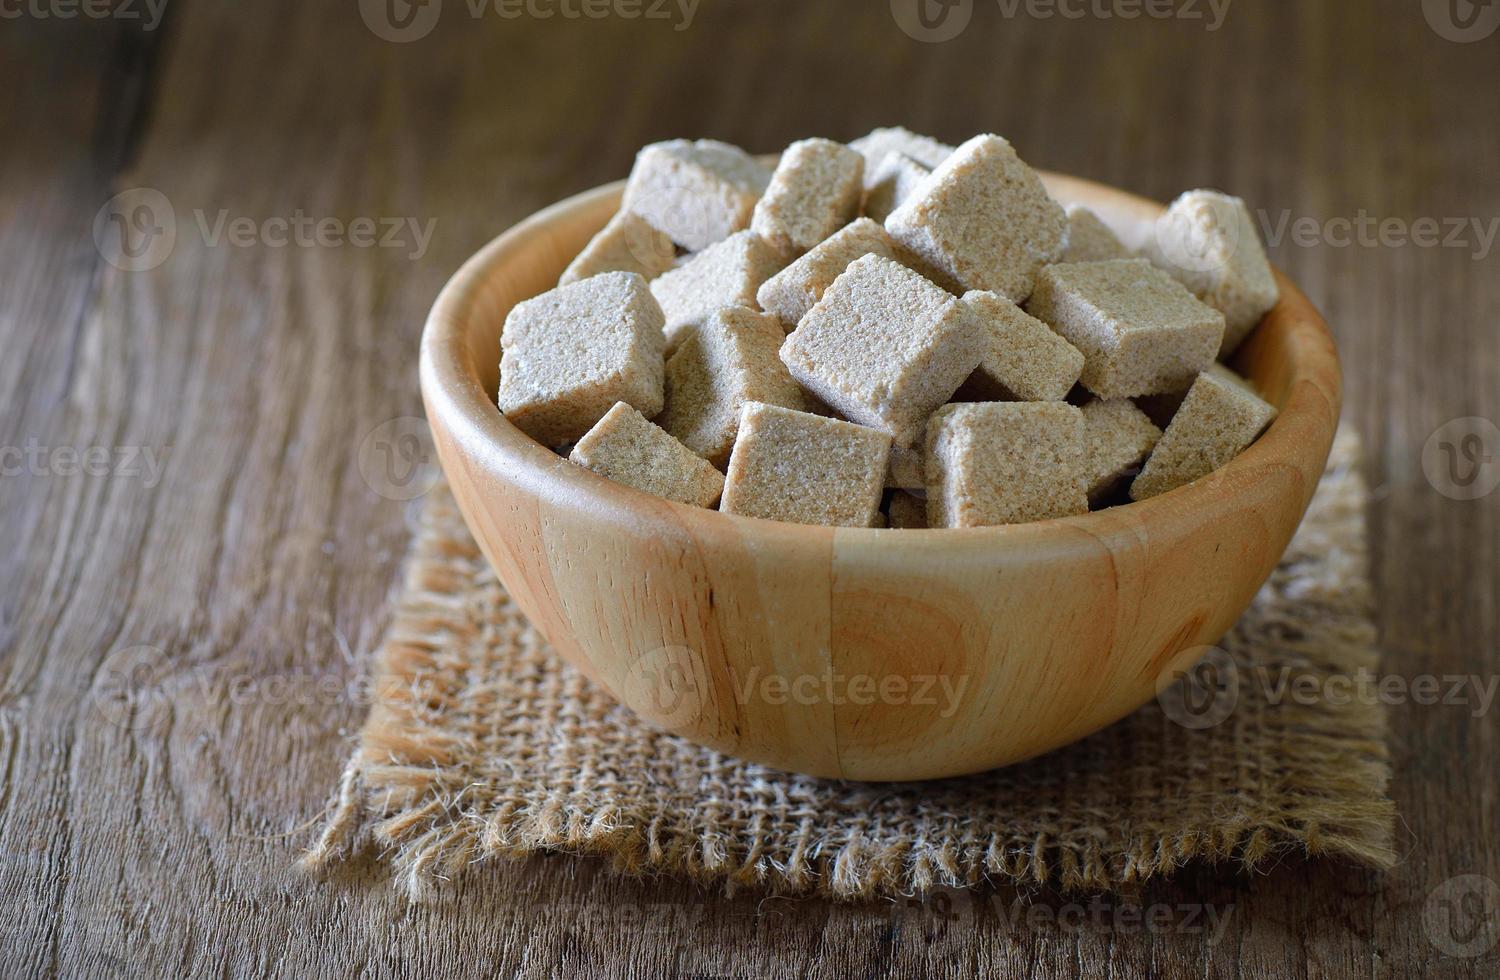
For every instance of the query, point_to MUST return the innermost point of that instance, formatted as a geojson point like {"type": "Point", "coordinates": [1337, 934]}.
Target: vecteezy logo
{"type": "Point", "coordinates": [1201, 239]}
{"type": "Point", "coordinates": [400, 21]}
{"type": "Point", "coordinates": [1462, 21]}
{"type": "Point", "coordinates": [1462, 916]}
{"type": "Point", "coordinates": [1200, 688]}
{"type": "Point", "coordinates": [1462, 458]}
{"type": "Point", "coordinates": [129, 691]}
{"type": "Point", "coordinates": [136, 229]}
{"type": "Point", "coordinates": [668, 687]}
{"type": "Point", "coordinates": [397, 459]}
{"type": "Point", "coordinates": [932, 21]}
{"type": "Point", "coordinates": [665, 207]}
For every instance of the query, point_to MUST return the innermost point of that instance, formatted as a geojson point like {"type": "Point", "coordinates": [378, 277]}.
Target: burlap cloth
{"type": "Point", "coordinates": [481, 743]}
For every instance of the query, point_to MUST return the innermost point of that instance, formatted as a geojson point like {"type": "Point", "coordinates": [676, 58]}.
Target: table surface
{"type": "Point", "coordinates": [227, 384]}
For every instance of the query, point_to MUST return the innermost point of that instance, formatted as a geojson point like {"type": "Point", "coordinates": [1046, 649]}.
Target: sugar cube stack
{"type": "Point", "coordinates": [894, 333]}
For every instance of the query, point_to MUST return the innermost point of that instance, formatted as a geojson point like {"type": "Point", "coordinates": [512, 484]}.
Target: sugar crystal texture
{"type": "Point", "coordinates": [1089, 238]}
{"type": "Point", "coordinates": [733, 358]}
{"type": "Point", "coordinates": [1208, 241]}
{"type": "Point", "coordinates": [1221, 415]}
{"type": "Point", "coordinates": [1022, 358]}
{"type": "Point", "coordinates": [725, 274]}
{"type": "Point", "coordinates": [984, 218]}
{"type": "Point", "coordinates": [1141, 332]}
{"type": "Point", "coordinates": [992, 463]}
{"type": "Point", "coordinates": [569, 354]}
{"type": "Point", "coordinates": [1117, 438]}
{"type": "Point", "coordinates": [806, 469]}
{"type": "Point", "coordinates": [892, 182]}
{"type": "Point", "coordinates": [794, 290]}
{"type": "Point", "coordinates": [814, 192]}
{"type": "Point", "coordinates": [884, 347]}
{"type": "Point", "coordinates": [697, 192]}
{"type": "Point", "coordinates": [627, 244]}
{"type": "Point", "coordinates": [626, 448]}
{"type": "Point", "coordinates": [880, 143]}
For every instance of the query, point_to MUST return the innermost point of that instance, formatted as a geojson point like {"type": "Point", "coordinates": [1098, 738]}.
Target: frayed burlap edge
{"type": "Point", "coordinates": [412, 789]}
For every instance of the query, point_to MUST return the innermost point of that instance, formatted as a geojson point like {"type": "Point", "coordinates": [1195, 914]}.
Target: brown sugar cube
{"type": "Point", "coordinates": [1022, 358]}
{"type": "Point", "coordinates": [882, 142]}
{"type": "Point", "coordinates": [892, 182]}
{"type": "Point", "coordinates": [1220, 416]}
{"type": "Point", "coordinates": [627, 244]}
{"type": "Point", "coordinates": [627, 449]}
{"type": "Point", "coordinates": [1140, 330]}
{"type": "Point", "coordinates": [884, 347]}
{"type": "Point", "coordinates": [984, 218]}
{"type": "Point", "coordinates": [1004, 463]}
{"type": "Point", "coordinates": [1089, 239]}
{"type": "Point", "coordinates": [1117, 438]}
{"type": "Point", "coordinates": [907, 511]}
{"type": "Point", "coordinates": [905, 470]}
{"type": "Point", "coordinates": [794, 290]}
{"type": "Point", "coordinates": [733, 358]}
{"type": "Point", "coordinates": [806, 469]}
{"type": "Point", "coordinates": [814, 192]}
{"type": "Point", "coordinates": [571, 353]}
{"type": "Point", "coordinates": [696, 192]}
{"type": "Point", "coordinates": [1208, 242]}
{"type": "Point", "coordinates": [724, 274]}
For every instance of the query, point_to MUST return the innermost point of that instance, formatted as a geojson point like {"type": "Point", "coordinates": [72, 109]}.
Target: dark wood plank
{"type": "Point", "coordinates": [259, 566]}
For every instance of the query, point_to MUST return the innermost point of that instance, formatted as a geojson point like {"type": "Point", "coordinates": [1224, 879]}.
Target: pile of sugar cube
{"type": "Point", "coordinates": [890, 333]}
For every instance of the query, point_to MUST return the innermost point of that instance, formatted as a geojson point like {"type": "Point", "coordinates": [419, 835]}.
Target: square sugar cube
{"type": "Point", "coordinates": [626, 448]}
{"type": "Point", "coordinates": [1141, 332]}
{"type": "Point", "coordinates": [884, 347]}
{"type": "Point", "coordinates": [806, 469]}
{"type": "Point", "coordinates": [983, 218]}
{"type": "Point", "coordinates": [569, 354]}
{"type": "Point", "coordinates": [992, 463]}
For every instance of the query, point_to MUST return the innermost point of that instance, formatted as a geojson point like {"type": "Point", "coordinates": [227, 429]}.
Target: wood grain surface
{"type": "Point", "coordinates": [181, 649]}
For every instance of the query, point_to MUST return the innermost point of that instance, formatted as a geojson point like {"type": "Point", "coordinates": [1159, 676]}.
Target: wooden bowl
{"type": "Point", "coordinates": [861, 653]}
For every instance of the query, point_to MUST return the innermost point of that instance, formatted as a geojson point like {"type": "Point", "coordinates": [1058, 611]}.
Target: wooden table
{"type": "Point", "coordinates": [250, 360]}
